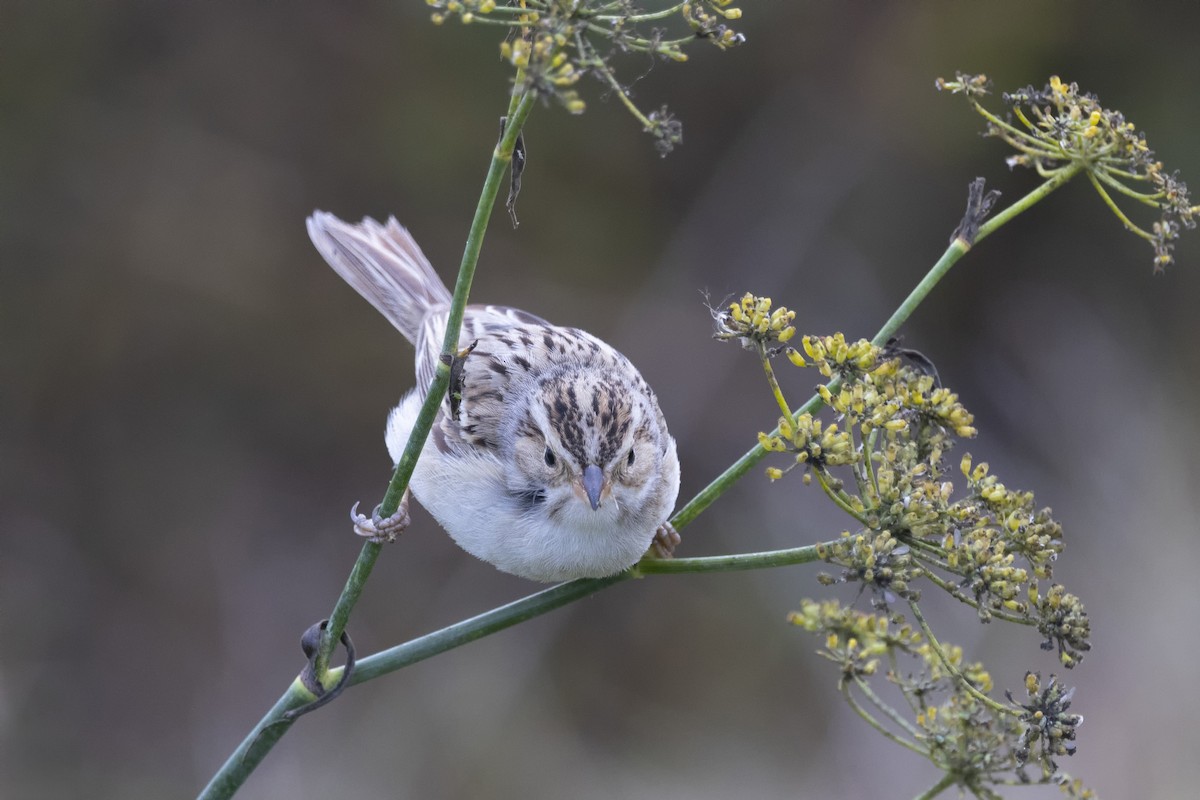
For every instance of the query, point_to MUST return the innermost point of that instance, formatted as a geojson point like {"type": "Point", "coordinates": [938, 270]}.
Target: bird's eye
{"type": "Point", "coordinates": [629, 460]}
{"type": "Point", "coordinates": [549, 458]}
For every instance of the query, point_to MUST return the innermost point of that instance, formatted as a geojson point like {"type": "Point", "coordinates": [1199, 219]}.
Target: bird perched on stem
{"type": "Point", "coordinates": [549, 457]}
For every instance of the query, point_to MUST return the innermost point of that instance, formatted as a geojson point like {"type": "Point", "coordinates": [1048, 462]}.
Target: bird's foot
{"type": "Point", "coordinates": [666, 539]}
{"type": "Point", "coordinates": [377, 528]}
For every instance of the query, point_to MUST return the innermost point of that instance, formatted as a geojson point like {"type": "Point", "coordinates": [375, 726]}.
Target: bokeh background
{"type": "Point", "coordinates": [191, 399]}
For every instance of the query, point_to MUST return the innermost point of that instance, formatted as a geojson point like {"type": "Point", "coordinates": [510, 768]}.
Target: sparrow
{"type": "Point", "coordinates": [549, 457]}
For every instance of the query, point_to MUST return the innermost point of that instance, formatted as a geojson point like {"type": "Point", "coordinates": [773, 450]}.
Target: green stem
{"type": "Point", "coordinates": [954, 252]}
{"type": "Point", "coordinates": [869, 718]}
{"type": "Point", "coordinates": [1145, 198]}
{"type": "Point", "coordinates": [775, 390]}
{"type": "Point", "coordinates": [489, 622]}
{"type": "Point", "coordinates": [958, 595]}
{"type": "Point", "coordinates": [602, 68]}
{"type": "Point", "coordinates": [730, 563]}
{"type": "Point", "coordinates": [891, 713]}
{"type": "Point", "coordinates": [868, 452]}
{"type": "Point", "coordinates": [264, 736]}
{"type": "Point", "coordinates": [534, 605]}
{"type": "Point", "coordinates": [272, 727]}
{"type": "Point", "coordinates": [635, 18]}
{"type": "Point", "coordinates": [958, 248]}
{"type": "Point", "coordinates": [1112, 205]}
{"type": "Point", "coordinates": [732, 473]}
{"type": "Point", "coordinates": [1003, 126]}
{"type": "Point", "coordinates": [839, 499]}
{"type": "Point", "coordinates": [945, 783]}
{"type": "Point", "coordinates": [999, 708]}
{"type": "Point", "coordinates": [1028, 201]}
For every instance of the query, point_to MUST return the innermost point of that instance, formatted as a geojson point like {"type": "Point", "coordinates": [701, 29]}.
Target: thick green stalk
{"type": "Point", "coordinates": [953, 253]}
{"type": "Point", "coordinates": [501, 158]}
{"type": "Point", "coordinates": [1058, 179]}
{"type": "Point", "coordinates": [273, 726]}
{"type": "Point", "coordinates": [497, 619]}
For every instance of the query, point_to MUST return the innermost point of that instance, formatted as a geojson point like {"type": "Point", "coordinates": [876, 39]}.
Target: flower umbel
{"type": "Point", "coordinates": [554, 43]}
{"type": "Point", "coordinates": [947, 715]}
{"type": "Point", "coordinates": [1058, 127]}
{"type": "Point", "coordinates": [883, 458]}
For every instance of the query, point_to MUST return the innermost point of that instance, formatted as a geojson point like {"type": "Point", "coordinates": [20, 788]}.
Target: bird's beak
{"type": "Point", "coordinates": [593, 484]}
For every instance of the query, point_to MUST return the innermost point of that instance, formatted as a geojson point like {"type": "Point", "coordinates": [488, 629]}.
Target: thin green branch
{"type": "Point", "coordinates": [270, 729]}
{"type": "Point", "coordinates": [775, 390]}
{"type": "Point", "coordinates": [879, 726]}
{"type": "Point", "coordinates": [999, 708]}
{"type": "Point", "coordinates": [1005, 128]}
{"type": "Point", "coordinates": [708, 495]}
{"type": "Point", "coordinates": [839, 499]}
{"type": "Point", "coordinates": [264, 736]}
{"type": "Point", "coordinates": [1025, 203]}
{"type": "Point", "coordinates": [635, 18]}
{"type": "Point", "coordinates": [515, 10]}
{"type": "Point", "coordinates": [730, 563]}
{"type": "Point", "coordinates": [869, 463]}
{"type": "Point", "coordinates": [507, 23]}
{"type": "Point", "coordinates": [947, 780]}
{"type": "Point", "coordinates": [489, 622]}
{"type": "Point", "coordinates": [1146, 198]}
{"type": "Point", "coordinates": [1043, 172]}
{"type": "Point", "coordinates": [608, 76]}
{"type": "Point", "coordinates": [1122, 173]}
{"type": "Point", "coordinates": [891, 713]}
{"type": "Point", "coordinates": [1113, 207]}
{"type": "Point", "coordinates": [953, 253]}
{"type": "Point", "coordinates": [534, 605]}
{"type": "Point", "coordinates": [954, 592]}
{"type": "Point", "coordinates": [642, 45]}
{"type": "Point", "coordinates": [920, 544]}
{"type": "Point", "coordinates": [1037, 151]}
{"type": "Point", "coordinates": [501, 158]}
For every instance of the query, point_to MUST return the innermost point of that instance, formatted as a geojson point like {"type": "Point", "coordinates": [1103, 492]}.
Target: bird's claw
{"type": "Point", "coordinates": [666, 539]}
{"type": "Point", "coordinates": [377, 528]}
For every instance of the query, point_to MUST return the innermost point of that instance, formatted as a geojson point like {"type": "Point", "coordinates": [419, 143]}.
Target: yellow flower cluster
{"type": "Point", "coordinates": [812, 441]}
{"type": "Point", "coordinates": [752, 321]}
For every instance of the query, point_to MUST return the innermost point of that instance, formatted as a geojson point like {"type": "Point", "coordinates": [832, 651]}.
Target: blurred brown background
{"type": "Point", "coordinates": [192, 400]}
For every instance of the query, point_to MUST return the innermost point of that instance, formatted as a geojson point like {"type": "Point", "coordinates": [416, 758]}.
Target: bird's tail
{"type": "Point", "coordinates": [384, 265]}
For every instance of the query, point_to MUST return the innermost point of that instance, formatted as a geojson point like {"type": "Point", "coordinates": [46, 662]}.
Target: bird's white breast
{"type": "Point", "coordinates": [468, 496]}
